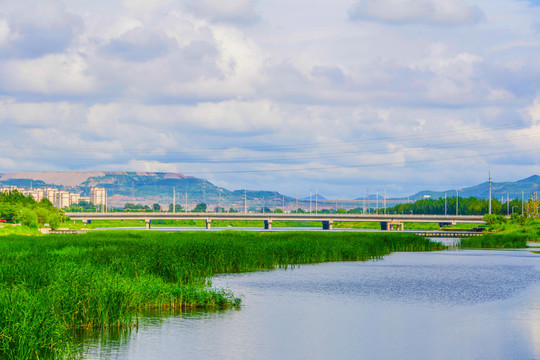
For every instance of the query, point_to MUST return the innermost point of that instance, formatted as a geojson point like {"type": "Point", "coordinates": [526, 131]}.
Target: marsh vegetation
{"type": "Point", "coordinates": [50, 285]}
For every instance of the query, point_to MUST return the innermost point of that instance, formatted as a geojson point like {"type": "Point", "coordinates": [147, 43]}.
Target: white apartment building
{"type": "Point", "coordinates": [97, 196]}
{"type": "Point", "coordinates": [61, 199]}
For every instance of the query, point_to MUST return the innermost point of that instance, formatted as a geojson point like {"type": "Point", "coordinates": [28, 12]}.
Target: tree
{"type": "Point", "coordinates": [278, 211]}
{"type": "Point", "coordinates": [156, 207]}
{"type": "Point", "coordinates": [54, 221]}
{"type": "Point", "coordinates": [201, 207]}
{"type": "Point", "coordinates": [177, 208]}
{"type": "Point", "coordinates": [28, 218]}
{"type": "Point", "coordinates": [130, 206]}
{"type": "Point", "coordinates": [531, 208]}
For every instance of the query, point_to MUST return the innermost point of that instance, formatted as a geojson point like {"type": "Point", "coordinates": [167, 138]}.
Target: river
{"type": "Point", "coordinates": [464, 304]}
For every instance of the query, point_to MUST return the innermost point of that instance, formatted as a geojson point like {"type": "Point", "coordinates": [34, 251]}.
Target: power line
{"type": "Point", "coordinates": [287, 146]}
{"type": "Point", "coordinates": [361, 165]}
{"type": "Point", "coordinates": [316, 156]}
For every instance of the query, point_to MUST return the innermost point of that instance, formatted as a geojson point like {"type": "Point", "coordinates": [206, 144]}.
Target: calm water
{"type": "Point", "coordinates": [443, 305]}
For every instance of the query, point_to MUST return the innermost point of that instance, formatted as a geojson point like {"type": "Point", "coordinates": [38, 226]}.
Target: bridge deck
{"type": "Point", "coordinates": [278, 217]}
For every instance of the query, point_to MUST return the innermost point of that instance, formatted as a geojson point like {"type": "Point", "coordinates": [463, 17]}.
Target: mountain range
{"type": "Point", "coordinates": [152, 187]}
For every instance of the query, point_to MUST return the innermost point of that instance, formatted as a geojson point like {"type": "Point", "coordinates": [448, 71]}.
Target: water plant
{"type": "Point", "coordinates": [50, 285]}
{"type": "Point", "coordinates": [508, 240]}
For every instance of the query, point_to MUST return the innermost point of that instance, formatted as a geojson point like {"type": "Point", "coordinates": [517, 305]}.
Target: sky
{"type": "Point", "coordinates": [342, 96]}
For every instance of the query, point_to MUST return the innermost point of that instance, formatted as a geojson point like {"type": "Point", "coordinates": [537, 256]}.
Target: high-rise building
{"type": "Point", "coordinates": [61, 199]}
{"type": "Point", "coordinates": [97, 196]}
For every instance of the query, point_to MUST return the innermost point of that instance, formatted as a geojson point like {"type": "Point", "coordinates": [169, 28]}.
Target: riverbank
{"type": "Point", "coordinates": [50, 285]}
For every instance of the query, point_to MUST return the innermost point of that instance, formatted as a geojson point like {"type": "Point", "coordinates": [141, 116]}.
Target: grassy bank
{"type": "Point", "coordinates": [50, 285]}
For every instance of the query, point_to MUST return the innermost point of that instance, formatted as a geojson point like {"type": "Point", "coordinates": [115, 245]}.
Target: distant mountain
{"type": "Point", "coordinates": [498, 190]}
{"type": "Point", "coordinates": [313, 197]}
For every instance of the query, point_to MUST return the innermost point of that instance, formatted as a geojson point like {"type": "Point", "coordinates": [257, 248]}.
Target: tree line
{"type": "Point", "coordinates": [18, 208]}
{"type": "Point", "coordinates": [465, 206]}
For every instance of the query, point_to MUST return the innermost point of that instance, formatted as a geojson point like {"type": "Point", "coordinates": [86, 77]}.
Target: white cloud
{"type": "Point", "coordinates": [440, 12]}
{"type": "Point", "coordinates": [5, 33]}
{"type": "Point", "coordinates": [40, 27]}
{"type": "Point", "coordinates": [534, 110]}
{"type": "Point", "coordinates": [152, 77]}
{"type": "Point", "coordinates": [228, 11]}
{"type": "Point", "coordinates": [52, 74]}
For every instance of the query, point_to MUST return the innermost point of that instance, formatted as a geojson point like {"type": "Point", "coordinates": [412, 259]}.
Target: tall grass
{"type": "Point", "coordinates": [508, 240]}
{"type": "Point", "coordinates": [50, 285]}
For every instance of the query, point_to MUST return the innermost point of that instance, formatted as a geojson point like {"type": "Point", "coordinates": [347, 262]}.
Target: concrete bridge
{"type": "Point", "coordinates": [388, 222]}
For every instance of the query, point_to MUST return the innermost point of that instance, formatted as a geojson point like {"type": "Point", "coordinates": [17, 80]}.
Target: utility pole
{"type": "Point", "coordinates": [522, 201]}
{"type": "Point", "coordinates": [245, 200]}
{"type": "Point", "coordinates": [489, 210]}
{"type": "Point", "coordinates": [185, 209]}
{"type": "Point", "coordinates": [310, 201]}
{"type": "Point", "coordinates": [316, 198]}
{"type": "Point", "coordinates": [283, 203]}
{"type": "Point", "coordinates": [457, 202]}
{"type": "Point", "coordinates": [377, 202]}
{"type": "Point", "coordinates": [367, 198]}
{"type": "Point", "coordinates": [204, 193]}
{"type": "Point", "coordinates": [445, 204]}
{"type": "Point", "coordinates": [364, 209]}
{"type": "Point", "coordinates": [174, 201]}
{"type": "Point", "coordinates": [384, 202]}
{"type": "Point", "coordinates": [296, 201]}
{"type": "Point", "coordinates": [507, 205]}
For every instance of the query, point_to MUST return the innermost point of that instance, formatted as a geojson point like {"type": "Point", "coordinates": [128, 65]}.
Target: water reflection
{"type": "Point", "coordinates": [446, 305]}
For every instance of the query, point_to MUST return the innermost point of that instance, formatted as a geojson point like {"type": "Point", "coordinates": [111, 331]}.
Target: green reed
{"type": "Point", "coordinates": [506, 240]}
{"type": "Point", "coordinates": [50, 285]}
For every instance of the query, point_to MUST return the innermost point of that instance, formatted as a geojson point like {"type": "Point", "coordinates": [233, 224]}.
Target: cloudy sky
{"type": "Point", "coordinates": [395, 95]}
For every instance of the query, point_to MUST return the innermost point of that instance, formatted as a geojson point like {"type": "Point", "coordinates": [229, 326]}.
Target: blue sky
{"type": "Point", "coordinates": [395, 95]}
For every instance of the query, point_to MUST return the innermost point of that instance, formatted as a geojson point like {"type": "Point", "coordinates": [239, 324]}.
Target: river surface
{"type": "Point", "coordinates": [479, 304]}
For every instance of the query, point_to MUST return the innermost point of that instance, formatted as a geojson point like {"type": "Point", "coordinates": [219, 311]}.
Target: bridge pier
{"type": "Point", "coordinates": [147, 222]}
{"type": "Point", "coordinates": [328, 224]}
{"type": "Point", "coordinates": [392, 225]}
{"type": "Point", "coordinates": [208, 224]}
{"type": "Point", "coordinates": [267, 224]}
{"type": "Point", "coordinates": [443, 224]}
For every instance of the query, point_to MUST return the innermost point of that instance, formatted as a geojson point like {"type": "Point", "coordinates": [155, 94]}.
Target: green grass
{"type": "Point", "coordinates": [50, 285]}
{"type": "Point", "coordinates": [17, 230]}
{"type": "Point", "coordinates": [512, 240]}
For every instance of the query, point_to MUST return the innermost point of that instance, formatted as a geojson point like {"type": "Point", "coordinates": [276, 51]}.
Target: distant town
{"type": "Point", "coordinates": [60, 198]}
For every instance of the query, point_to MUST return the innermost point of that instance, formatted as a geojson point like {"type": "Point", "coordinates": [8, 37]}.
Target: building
{"type": "Point", "coordinates": [61, 199]}
{"type": "Point", "coordinates": [97, 196]}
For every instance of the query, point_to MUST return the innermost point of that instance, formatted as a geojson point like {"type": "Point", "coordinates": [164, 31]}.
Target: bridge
{"type": "Point", "coordinates": [387, 221]}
